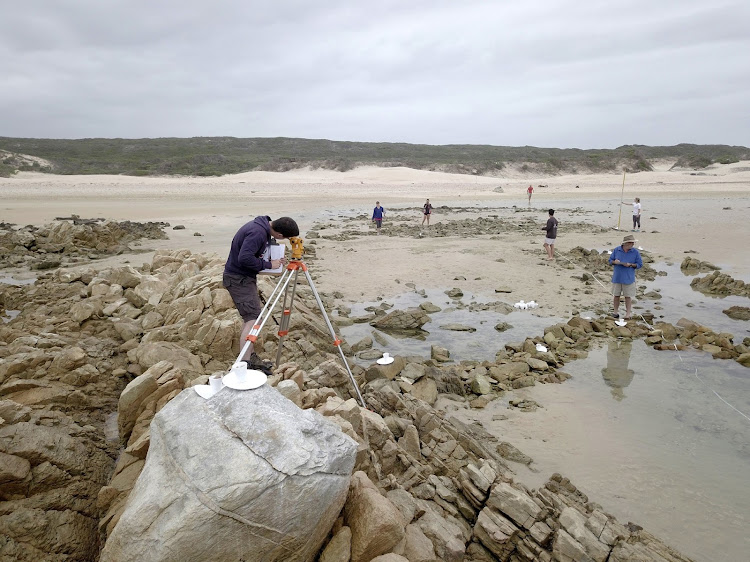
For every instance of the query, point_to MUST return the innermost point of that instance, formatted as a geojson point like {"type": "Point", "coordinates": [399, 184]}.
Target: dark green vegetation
{"type": "Point", "coordinates": [215, 156]}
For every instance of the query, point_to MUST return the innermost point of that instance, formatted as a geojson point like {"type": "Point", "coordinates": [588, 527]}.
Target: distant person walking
{"type": "Point", "coordinates": [530, 190]}
{"type": "Point", "coordinates": [625, 259]}
{"type": "Point", "coordinates": [377, 215]}
{"type": "Point", "coordinates": [551, 234]}
{"type": "Point", "coordinates": [427, 211]}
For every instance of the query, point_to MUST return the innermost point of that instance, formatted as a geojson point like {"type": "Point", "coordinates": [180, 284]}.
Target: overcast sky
{"type": "Point", "coordinates": [551, 73]}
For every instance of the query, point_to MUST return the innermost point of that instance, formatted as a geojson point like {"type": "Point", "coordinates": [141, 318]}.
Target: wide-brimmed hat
{"type": "Point", "coordinates": [629, 238]}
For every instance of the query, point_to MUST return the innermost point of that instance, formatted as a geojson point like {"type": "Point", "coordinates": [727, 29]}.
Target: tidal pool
{"type": "Point", "coordinates": [9, 280]}
{"type": "Point", "coordinates": [648, 435]}
{"type": "Point", "coordinates": [679, 300]}
{"type": "Point", "coordinates": [480, 345]}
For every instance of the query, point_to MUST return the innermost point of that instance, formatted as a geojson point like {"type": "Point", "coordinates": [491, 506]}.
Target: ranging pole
{"type": "Point", "coordinates": [622, 194]}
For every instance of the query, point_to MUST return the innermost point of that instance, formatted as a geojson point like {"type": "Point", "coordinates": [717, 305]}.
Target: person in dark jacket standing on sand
{"type": "Point", "coordinates": [549, 239]}
{"type": "Point", "coordinates": [244, 263]}
{"type": "Point", "coordinates": [377, 215]}
{"type": "Point", "coordinates": [426, 212]}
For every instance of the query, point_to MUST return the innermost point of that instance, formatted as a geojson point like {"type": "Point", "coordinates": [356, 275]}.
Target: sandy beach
{"type": "Point", "coordinates": [700, 214]}
{"type": "Point", "coordinates": [683, 211]}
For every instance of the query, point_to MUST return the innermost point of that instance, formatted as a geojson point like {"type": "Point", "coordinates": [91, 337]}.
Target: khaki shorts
{"type": "Point", "coordinates": [244, 293]}
{"type": "Point", "coordinates": [549, 241]}
{"type": "Point", "coordinates": [619, 289]}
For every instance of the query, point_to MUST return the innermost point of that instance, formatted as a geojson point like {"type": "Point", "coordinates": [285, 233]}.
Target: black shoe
{"type": "Point", "coordinates": [258, 364]}
{"type": "Point", "coordinates": [613, 315]}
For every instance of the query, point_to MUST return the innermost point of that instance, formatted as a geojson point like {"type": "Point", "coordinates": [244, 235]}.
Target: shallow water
{"type": "Point", "coordinates": [480, 345]}
{"type": "Point", "coordinates": [9, 280]}
{"type": "Point", "coordinates": [10, 315]}
{"type": "Point", "coordinates": [646, 437]}
{"type": "Point", "coordinates": [679, 300]}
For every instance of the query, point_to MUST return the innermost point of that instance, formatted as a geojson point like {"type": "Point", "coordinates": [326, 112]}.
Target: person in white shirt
{"type": "Point", "coordinates": [636, 214]}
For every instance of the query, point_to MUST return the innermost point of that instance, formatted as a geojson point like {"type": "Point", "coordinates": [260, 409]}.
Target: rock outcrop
{"type": "Point", "coordinates": [63, 242]}
{"type": "Point", "coordinates": [241, 476]}
{"type": "Point", "coordinates": [717, 283]}
{"type": "Point", "coordinates": [402, 320]}
{"type": "Point", "coordinates": [692, 266]}
{"type": "Point", "coordinates": [51, 470]}
{"type": "Point", "coordinates": [129, 340]}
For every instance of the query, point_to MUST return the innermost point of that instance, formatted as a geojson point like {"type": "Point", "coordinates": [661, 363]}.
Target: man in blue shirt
{"type": "Point", "coordinates": [377, 215]}
{"type": "Point", "coordinates": [625, 259]}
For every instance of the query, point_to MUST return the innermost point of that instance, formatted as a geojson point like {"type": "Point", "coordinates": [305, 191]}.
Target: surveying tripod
{"type": "Point", "coordinates": [290, 275]}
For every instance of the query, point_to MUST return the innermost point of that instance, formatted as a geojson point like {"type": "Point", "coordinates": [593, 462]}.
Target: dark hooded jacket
{"type": "Point", "coordinates": [247, 248]}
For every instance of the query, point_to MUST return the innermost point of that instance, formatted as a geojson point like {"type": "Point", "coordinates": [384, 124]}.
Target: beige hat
{"type": "Point", "coordinates": [629, 238]}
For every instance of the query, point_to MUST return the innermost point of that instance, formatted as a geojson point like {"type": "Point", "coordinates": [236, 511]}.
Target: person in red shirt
{"type": "Point", "coordinates": [530, 191]}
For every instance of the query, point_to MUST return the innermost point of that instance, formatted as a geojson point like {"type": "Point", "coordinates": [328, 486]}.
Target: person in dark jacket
{"type": "Point", "coordinates": [244, 263]}
{"type": "Point", "coordinates": [377, 215]}
{"type": "Point", "coordinates": [549, 240]}
{"type": "Point", "coordinates": [426, 212]}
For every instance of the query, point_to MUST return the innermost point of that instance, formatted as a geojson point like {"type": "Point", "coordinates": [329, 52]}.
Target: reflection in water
{"type": "Point", "coordinates": [616, 374]}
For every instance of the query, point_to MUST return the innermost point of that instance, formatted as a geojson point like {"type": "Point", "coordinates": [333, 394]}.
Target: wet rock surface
{"type": "Point", "coordinates": [400, 224]}
{"type": "Point", "coordinates": [717, 283]}
{"type": "Point", "coordinates": [738, 312]}
{"type": "Point", "coordinates": [692, 265]}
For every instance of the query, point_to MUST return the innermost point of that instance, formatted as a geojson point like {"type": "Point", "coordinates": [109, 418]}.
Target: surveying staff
{"type": "Point", "coordinates": [244, 263]}
{"type": "Point", "coordinates": [625, 259]}
{"type": "Point", "coordinates": [377, 215]}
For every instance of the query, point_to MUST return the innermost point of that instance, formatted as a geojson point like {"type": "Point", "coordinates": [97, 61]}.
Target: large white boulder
{"type": "Point", "coordinates": [245, 475]}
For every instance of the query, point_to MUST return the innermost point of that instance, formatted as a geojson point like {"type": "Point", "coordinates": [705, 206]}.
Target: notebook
{"type": "Point", "coordinates": [273, 252]}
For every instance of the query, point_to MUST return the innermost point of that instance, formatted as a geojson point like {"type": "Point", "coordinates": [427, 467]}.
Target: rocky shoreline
{"type": "Point", "coordinates": [89, 343]}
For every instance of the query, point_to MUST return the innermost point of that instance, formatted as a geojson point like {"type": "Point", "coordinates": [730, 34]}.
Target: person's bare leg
{"type": "Point", "coordinates": [628, 302]}
{"type": "Point", "coordinates": [617, 304]}
{"type": "Point", "coordinates": [246, 327]}
{"type": "Point", "coordinates": [551, 251]}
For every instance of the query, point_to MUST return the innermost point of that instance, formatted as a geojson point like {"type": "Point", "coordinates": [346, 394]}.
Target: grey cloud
{"type": "Point", "coordinates": [551, 73]}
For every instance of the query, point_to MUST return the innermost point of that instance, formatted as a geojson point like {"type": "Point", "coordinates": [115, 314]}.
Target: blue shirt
{"type": "Point", "coordinates": [621, 273]}
{"type": "Point", "coordinates": [377, 213]}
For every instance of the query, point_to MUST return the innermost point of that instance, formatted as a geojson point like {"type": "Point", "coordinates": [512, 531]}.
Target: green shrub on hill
{"type": "Point", "coordinates": [6, 171]}
{"type": "Point", "coordinates": [694, 161]}
{"type": "Point", "coordinates": [211, 156]}
{"type": "Point", "coordinates": [726, 159]}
